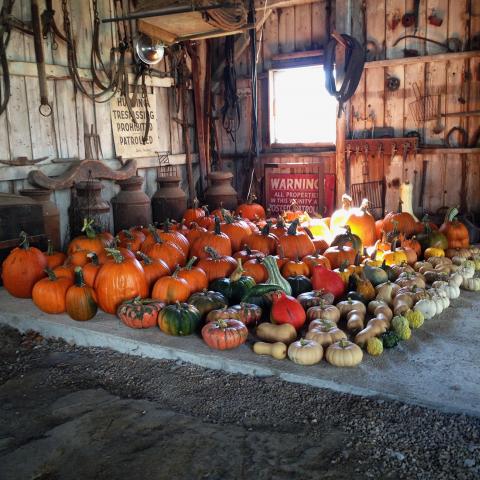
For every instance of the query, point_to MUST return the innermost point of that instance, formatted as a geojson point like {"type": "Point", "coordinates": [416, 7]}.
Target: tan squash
{"type": "Point", "coordinates": [325, 312]}
{"type": "Point", "coordinates": [325, 333]}
{"type": "Point", "coordinates": [277, 350]}
{"type": "Point", "coordinates": [269, 332]}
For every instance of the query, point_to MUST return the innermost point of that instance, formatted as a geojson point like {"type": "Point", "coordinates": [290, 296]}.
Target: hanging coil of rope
{"type": "Point", "coordinates": [354, 62]}
{"type": "Point", "coordinates": [231, 105]}
{"type": "Point", "coordinates": [226, 18]}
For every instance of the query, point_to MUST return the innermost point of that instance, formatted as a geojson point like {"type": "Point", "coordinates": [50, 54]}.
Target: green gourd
{"type": "Point", "coordinates": [274, 275]}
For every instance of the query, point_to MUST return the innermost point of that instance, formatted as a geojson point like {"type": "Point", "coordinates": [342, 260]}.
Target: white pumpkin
{"type": "Point", "coordinates": [439, 261]}
{"type": "Point", "coordinates": [456, 260]}
{"type": "Point", "coordinates": [427, 307]}
{"type": "Point", "coordinates": [451, 290]}
{"type": "Point", "coordinates": [471, 284]}
{"type": "Point", "coordinates": [418, 265]}
{"type": "Point", "coordinates": [466, 271]}
{"type": "Point", "coordinates": [456, 279]}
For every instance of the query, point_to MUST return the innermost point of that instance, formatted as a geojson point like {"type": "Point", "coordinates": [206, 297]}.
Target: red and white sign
{"type": "Point", "coordinates": [283, 188]}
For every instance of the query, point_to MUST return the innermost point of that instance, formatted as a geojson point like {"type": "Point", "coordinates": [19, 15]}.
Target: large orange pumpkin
{"type": "Point", "coordinates": [236, 229]}
{"type": "Point", "coordinates": [48, 294]}
{"type": "Point", "coordinates": [118, 281]}
{"type": "Point", "coordinates": [362, 223]}
{"type": "Point", "coordinates": [217, 266]}
{"type": "Point", "coordinates": [167, 251]}
{"type": "Point", "coordinates": [401, 221]}
{"type": "Point", "coordinates": [90, 242]}
{"type": "Point", "coordinates": [455, 231]}
{"type": "Point", "coordinates": [154, 268]}
{"type": "Point", "coordinates": [264, 241]}
{"type": "Point", "coordinates": [23, 267]}
{"type": "Point", "coordinates": [171, 289]}
{"type": "Point", "coordinates": [339, 254]}
{"type": "Point", "coordinates": [196, 278]}
{"type": "Point", "coordinates": [217, 240]}
{"type": "Point", "coordinates": [295, 244]}
{"type": "Point", "coordinates": [251, 210]}
{"type": "Point", "coordinates": [256, 269]}
{"type": "Point", "coordinates": [169, 235]}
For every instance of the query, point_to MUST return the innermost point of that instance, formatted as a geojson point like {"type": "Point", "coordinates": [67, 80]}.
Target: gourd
{"type": "Point", "coordinates": [374, 346]}
{"type": "Point", "coordinates": [344, 354]}
{"type": "Point", "coordinates": [325, 332]}
{"type": "Point", "coordinates": [305, 352]}
{"type": "Point", "coordinates": [224, 334]}
{"type": "Point", "coordinates": [324, 312]}
{"type": "Point", "coordinates": [401, 327]}
{"type": "Point", "coordinates": [277, 350]}
{"type": "Point", "coordinates": [235, 287]}
{"type": "Point", "coordinates": [355, 312]}
{"type": "Point", "coordinates": [299, 284]}
{"type": "Point", "coordinates": [248, 313]}
{"type": "Point", "coordinates": [375, 327]}
{"type": "Point", "coordinates": [206, 301]}
{"type": "Point", "coordinates": [364, 287]}
{"type": "Point", "coordinates": [314, 298]}
{"type": "Point", "coordinates": [433, 252]}
{"type": "Point", "coordinates": [456, 279]}
{"type": "Point", "coordinates": [286, 309]}
{"type": "Point", "coordinates": [471, 284]}
{"type": "Point", "coordinates": [415, 318]}
{"type": "Point", "coordinates": [269, 332]}
{"type": "Point", "coordinates": [376, 275]}
{"type": "Point", "coordinates": [426, 307]}
{"type": "Point", "coordinates": [274, 275]}
{"type": "Point", "coordinates": [451, 290]}
{"type": "Point", "coordinates": [390, 339]}
{"type": "Point", "coordinates": [402, 303]}
{"type": "Point", "coordinates": [386, 292]}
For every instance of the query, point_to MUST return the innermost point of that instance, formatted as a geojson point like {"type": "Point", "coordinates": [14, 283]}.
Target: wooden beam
{"type": "Point", "coordinates": [273, 4]}
{"type": "Point", "coordinates": [60, 72]}
{"type": "Point", "coordinates": [297, 55]}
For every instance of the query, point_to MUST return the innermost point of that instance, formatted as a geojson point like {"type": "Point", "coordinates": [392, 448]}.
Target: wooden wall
{"type": "Point", "coordinates": [24, 132]}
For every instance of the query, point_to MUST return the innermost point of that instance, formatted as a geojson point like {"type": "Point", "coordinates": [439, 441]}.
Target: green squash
{"type": "Point", "coordinates": [207, 301]}
{"type": "Point", "coordinates": [300, 284]}
{"type": "Point", "coordinates": [376, 275]}
{"type": "Point", "coordinates": [432, 238]}
{"type": "Point", "coordinates": [179, 319]}
{"type": "Point", "coordinates": [354, 295]}
{"type": "Point", "coordinates": [390, 339]}
{"type": "Point", "coordinates": [235, 287]}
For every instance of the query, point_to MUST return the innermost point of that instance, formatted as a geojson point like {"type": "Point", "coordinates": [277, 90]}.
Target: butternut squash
{"type": "Point", "coordinates": [277, 350]}
{"type": "Point", "coordinates": [269, 332]}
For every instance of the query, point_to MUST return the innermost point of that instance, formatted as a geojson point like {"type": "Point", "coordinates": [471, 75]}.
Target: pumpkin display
{"type": "Point", "coordinates": [140, 313]}
{"type": "Point", "coordinates": [224, 334]}
{"type": "Point", "coordinates": [299, 284]}
{"type": "Point", "coordinates": [206, 301]}
{"type": "Point", "coordinates": [455, 231]}
{"type": "Point", "coordinates": [91, 269]}
{"type": "Point", "coordinates": [48, 294]}
{"type": "Point", "coordinates": [54, 259]}
{"type": "Point", "coordinates": [235, 287]}
{"type": "Point", "coordinates": [362, 223]}
{"type": "Point", "coordinates": [256, 269]}
{"type": "Point", "coordinates": [314, 298]}
{"type": "Point", "coordinates": [193, 214]}
{"type": "Point", "coordinates": [80, 299]}
{"type": "Point", "coordinates": [171, 289]}
{"type": "Point", "coordinates": [251, 210]}
{"type": "Point", "coordinates": [215, 240]}
{"type": "Point", "coordinates": [118, 281]}
{"type": "Point", "coordinates": [344, 354]}
{"type": "Point", "coordinates": [286, 309]}
{"type": "Point", "coordinates": [216, 266]}
{"type": "Point", "coordinates": [131, 239]}
{"type": "Point", "coordinates": [154, 268]}
{"type": "Point", "coordinates": [195, 276]}
{"type": "Point", "coordinates": [305, 352]}
{"type": "Point", "coordinates": [23, 268]}
{"type": "Point", "coordinates": [295, 244]}
{"type": "Point", "coordinates": [90, 241]}
{"type": "Point", "coordinates": [328, 281]}
{"type": "Point", "coordinates": [263, 241]}
{"type": "Point", "coordinates": [179, 319]}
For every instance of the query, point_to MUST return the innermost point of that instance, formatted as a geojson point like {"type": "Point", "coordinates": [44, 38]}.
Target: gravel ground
{"type": "Point", "coordinates": [87, 413]}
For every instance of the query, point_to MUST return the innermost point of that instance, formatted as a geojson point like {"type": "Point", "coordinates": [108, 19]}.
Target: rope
{"type": "Point", "coordinates": [231, 105]}
{"type": "Point", "coordinates": [354, 62]}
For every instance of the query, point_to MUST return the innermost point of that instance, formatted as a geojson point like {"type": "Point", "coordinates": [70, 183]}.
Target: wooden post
{"type": "Point", "coordinates": [207, 103]}
{"type": "Point", "coordinates": [186, 142]}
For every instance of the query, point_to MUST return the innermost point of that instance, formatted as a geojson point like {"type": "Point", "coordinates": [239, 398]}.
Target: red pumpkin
{"type": "Point", "coordinates": [217, 240]}
{"type": "Point", "coordinates": [118, 281]}
{"type": "Point", "coordinates": [49, 293]}
{"type": "Point", "coordinates": [54, 259]}
{"type": "Point", "coordinates": [286, 309]}
{"type": "Point", "coordinates": [327, 280]}
{"type": "Point", "coordinates": [138, 313]}
{"type": "Point", "coordinates": [251, 210]}
{"type": "Point", "coordinates": [23, 268]}
{"type": "Point", "coordinates": [224, 334]}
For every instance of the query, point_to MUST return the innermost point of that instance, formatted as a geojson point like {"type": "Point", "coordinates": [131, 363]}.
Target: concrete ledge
{"type": "Point", "coordinates": [437, 368]}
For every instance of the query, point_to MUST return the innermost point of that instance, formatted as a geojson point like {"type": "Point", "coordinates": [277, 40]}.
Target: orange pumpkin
{"type": "Point", "coordinates": [251, 210]}
{"type": "Point", "coordinates": [193, 214]}
{"type": "Point", "coordinates": [90, 242]}
{"type": "Point", "coordinates": [362, 223]}
{"type": "Point", "coordinates": [339, 254]}
{"type": "Point", "coordinates": [118, 281]}
{"type": "Point", "coordinates": [247, 254]}
{"type": "Point", "coordinates": [279, 229]}
{"type": "Point", "coordinates": [295, 268]}
{"type": "Point", "coordinates": [412, 243]}
{"type": "Point", "coordinates": [66, 271]}
{"type": "Point", "coordinates": [403, 222]}
{"type": "Point", "coordinates": [235, 229]}
{"type": "Point", "coordinates": [169, 235]}
{"type": "Point", "coordinates": [294, 213]}
{"type": "Point", "coordinates": [48, 294]}
{"type": "Point", "coordinates": [379, 229]}
{"type": "Point", "coordinates": [80, 299]}
{"type": "Point", "coordinates": [316, 259]}
{"type": "Point", "coordinates": [256, 269]}
{"type": "Point", "coordinates": [167, 251]}
{"type": "Point", "coordinates": [54, 259]}
{"type": "Point", "coordinates": [23, 267]}
{"type": "Point", "coordinates": [455, 231]}
{"type": "Point", "coordinates": [194, 232]}
{"type": "Point", "coordinates": [263, 241]}
{"type": "Point", "coordinates": [131, 239]}
{"type": "Point", "coordinates": [217, 240]}
{"type": "Point", "coordinates": [91, 269]}
{"type": "Point", "coordinates": [154, 268]}
{"type": "Point", "coordinates": [171, 289]}
{"type": "Point", "coordinates": [295, 244]}
{"type": "Point", "coordinates": [196, 278]}
{"type": "Point", "coordinates": [216, 265]}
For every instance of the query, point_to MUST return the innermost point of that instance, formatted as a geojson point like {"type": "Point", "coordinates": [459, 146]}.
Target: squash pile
{"type": "Point", "coordinates": [296, 287]}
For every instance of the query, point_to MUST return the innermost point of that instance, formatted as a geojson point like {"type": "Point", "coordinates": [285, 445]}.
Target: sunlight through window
{"type": "Point", "coordinates": [302, 111]}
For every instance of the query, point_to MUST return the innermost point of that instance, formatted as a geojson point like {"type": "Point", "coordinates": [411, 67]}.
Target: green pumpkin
{"type": "Point", "coordinates": [432, 239]}
{"type": "Point", "coordinates": [207, 301]}
{"type": "Point", "coordinates": [233, 290]}
{"type": "Point", "coordinates": [376, 275]}
{"type": "Point", "coordinates": [179, 319]}
{"type": "Point", "coordinates": [300, 284]}
{"type": "Point", "coordinates": [390, 339]}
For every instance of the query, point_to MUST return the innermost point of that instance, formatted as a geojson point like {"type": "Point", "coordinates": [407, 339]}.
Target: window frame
{"type": "Point", "coordinates": [271, 114]}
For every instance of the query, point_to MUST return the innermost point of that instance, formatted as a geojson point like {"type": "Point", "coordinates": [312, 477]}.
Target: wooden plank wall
{"type": "Point", "coordinates": [62, 134]}
{"type": "Point", "coordinates": [455, 79]}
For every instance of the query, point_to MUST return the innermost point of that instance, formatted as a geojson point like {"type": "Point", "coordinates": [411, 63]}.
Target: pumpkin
{"type": "Point", "coordinates": [251, 210]}
{"type": "Point", "coordinates": [206, 301]}
{"type": "Point", "coordinates": [340, 254]}
{"type": "Point", "coordinates": [344, 354]}
{"type": "Point", "coordinates": [49, 293]}
{"type": "Point", "coordinates": [286, 309]}
{"type": "Point", "coordinates": [193, 214]}
{"type": "Point", "coordinates": [236, 229]}
{"type": "Point", "coordinates": [376, 275]}
{"type": "Point", "coordinates": [323, 312]}
{"type": "Point", "coordinates": [279, 229]}
{"type": "Point", "coordinates": [140, 313]}
{"type": "Point", "coordinates": [54, 259]}
{"type": "Point", "coordinates": [91, 269]}
{"type": "Point", "coordinates": [295, 244]}
{"type": "Point", "coordinates": [299, 284]}
{"type": "Point", "coordinates": [118, 281]}
{"type": "Point", "coordinates": [325, 333]}
{"type": "Point", "coordinates": [431, 238]}
{"type": "Point", "coordinates": [171, 289]}
{"type": "Point", "coordinates": [216, 240]}
{"type": "Point", "coordinates": [65, 271]}
{"type": "Point", "coordinates": [343, 272]}
{"type": "Point", "coordinates": [167, 234]}
{"type": "Point", "coordinates": [263, 241]}
{"type": "Point", "coordinates": [23, 268]}
{"type": "Point", "coordinates": [166, 251]}
{"type": "Point", "coordinates": [413, 244]}
{"type": "Point", "coordinates": [455, 231]}
{"type": "Point", "coordinates": [90, 242]}
{"type": "Point", "coordinates": [80, 258]}
{"type": "Point", "coordinates": [316, 259]}
{"type": "Point", "coordinates": [248, 254]}
{"type": "Point", "coordinates": [314, 298]}
{"type": "Point", "coordinates": [403, 222]}
{"type": "Point", "coordinates": [154, 268]}
{"type": "Point", "coordinates": [292, 268]}
{"type": "Point", "coordinates": [362, 223]}
{"type": "Point", "coordinates": [256, 269]}
{"type": "Point", "coordinates": [194, 232]}
{"type": "Point", "coordinates": [216, 266]}
{"type": "Point", "coordinates": [195, 276]}
{"type": "Point", "coordinates": [247, 313]}
{"type": "Point", "coordinates": [224, 334]}
{"type": "Point", "coordinates": [328, 281]}
{"type": "Point", "coordinates": [426, 307]}
{"type": "Point", "coordinates": [320, 244]}
{"type": "Point", "coordinates": [80, 299]}
{"type": "Point", "coordinates": [394, 257]}
{"type": "Point", "coordinates": [433, 252]}
{"type": "Point", "coordinates": [126, 252]}
{"type": "Point", "coordinates": [305, 352]}
{"type": "Point", "coordinates": [471, 284]}
{"type": "Point", "coordinates": [179, 319]}
{"type": "Point", "coordinates": [339, 217]}
{"type": "Point", "coordinates": [234, 287]}
{"type": "Point", "coordinates": [131, 239]}
{"type": "Point", "coordinates": [318, 227]}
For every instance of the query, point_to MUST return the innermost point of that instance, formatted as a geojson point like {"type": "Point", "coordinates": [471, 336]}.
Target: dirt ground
{"type": "Point", "coordinates": [87, 413]}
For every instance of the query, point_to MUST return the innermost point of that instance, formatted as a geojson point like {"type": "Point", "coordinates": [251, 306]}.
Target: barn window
{"type": "Point", "coordinates": [301, 109]}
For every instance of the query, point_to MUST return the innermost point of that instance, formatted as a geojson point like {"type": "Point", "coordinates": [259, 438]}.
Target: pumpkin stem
{"type": "Point", "coordinates": [226, 216]}
{"type": "Point", "coordinates": [221, 323]}
{"type": "Point", "coordinates": [344, 265]}
{"type": "Point", "coordinates": [212, 252]}
{"type": "Point", "coordinates": [177, 270]}
{"type": "Point", "coordinates": [365, 204]}
{"type": "Point", "coordinates": [166, 225]}
{"type": "Point", "coordinates": [217, 226]}
{"type": "Point", "coordinates": [79, 281]}
{"type": "Point", "coordinates": [24, 243]}
{"type": "Point", "coordinates": [280, 222]}
{"type": "Point", "coordinates": [251, 198]}
{"type": "Point", "coordinates": [51, 274]}
{"type": "Point", "coordinates": [93, 258]}
{"type": "Point", "coordinates": [308, 232]}
{"type": "Point", "coordinates": [88, 228]}
{"type": "Point", "coordinates": [190, 263]}
{"type": "Point", "coordinates": [343, 343]}
{"type": "Point", "coordinates": [266, 229]}
{"type": "Point", "coordinates": [346, 201]}
{"type": "Point", "coordinates": [115, 254]}
{"type": "Point", "coordinates": [303, 342]}
{"type": "Point", "coordinates": [248, 250]}
{"type": "Point", "coordinates": [128, 234]}
{"type": "Point", "coordinates": [237, 273]}
{"type": "Point", "coordinates": [50, 251]}
{"type": "Point", "coordinates": [292, 229]}
{"type": "Point", "coordinates": [145, 258]}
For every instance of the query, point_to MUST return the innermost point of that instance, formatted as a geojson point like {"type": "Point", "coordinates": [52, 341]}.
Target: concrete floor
{"type": "Point", "coordinates": [438, 367]}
